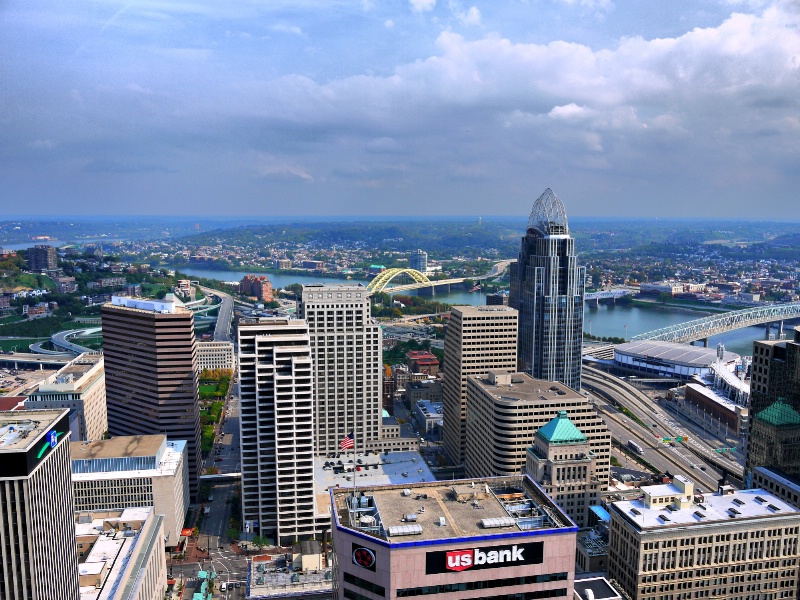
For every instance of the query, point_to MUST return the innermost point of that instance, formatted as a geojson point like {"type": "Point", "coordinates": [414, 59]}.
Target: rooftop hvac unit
{"type": "Point", "coordinates": [498, 522]}
{"type": "Point", "coordinates": [442, 521]}
{"type": "Point", "coordinates": [398, 530]}
{"type": "Point", "coordinates": [406, 492]}
{"type": "Point", "coordinates": [410, 518]}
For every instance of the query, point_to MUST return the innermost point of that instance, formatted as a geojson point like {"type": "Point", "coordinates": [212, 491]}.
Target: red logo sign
{"type": "Point", "coordinates": [459, 560]}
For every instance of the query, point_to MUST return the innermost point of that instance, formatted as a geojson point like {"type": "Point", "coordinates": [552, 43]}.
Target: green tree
{"type": "Point", "coordinates": [260, 542]}
{"type": "Point", "coordinates": [232, 534]}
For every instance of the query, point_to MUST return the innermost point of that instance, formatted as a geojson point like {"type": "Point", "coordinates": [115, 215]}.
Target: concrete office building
{"type": "Point", "coordinates": [150, 354]}
{"type": "Point", "coordinates": [41, 258]}
{"type": "Point", "coordinates": [677, 543]}
{"type": "Point", "coordinates": [215, 355]}
{"type": "Point", "coordinates": [133, 471]}
{"type": "Point", "coordinates": [38, 560]}
{"type": "Point", "coordinates": [478, 538]}
{"type": "Point", "coordinates": [774, 440]}
{"type": "Point", "coordinates": [277, 424]}
{"type": "Point", "coordinates": [418, 260]}
{"type": "Point", "coordinates": [478, 339]}
{"type": "Point", "coordinates": [347, 356]}
{"type": "Point", "coordinates": [121, 554]}
{"type": "Point", "coordinates": [505, 410]}
{"type": "Point", "coordinates": [547, 288]}
{"type": "Point", "coordinates": [562, 462]}
{"type": "Point", "coordinates": [80, 386]}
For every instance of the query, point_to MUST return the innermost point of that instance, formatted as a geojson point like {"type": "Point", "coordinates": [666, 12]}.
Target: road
{"type": "Point", "coordinates": [222, 330]}
{"type": "Point", "coordinates": [697, 459]}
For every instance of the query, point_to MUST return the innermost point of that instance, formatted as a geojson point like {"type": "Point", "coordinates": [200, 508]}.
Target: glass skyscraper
{"type": "Point", "coordinates": [547, 288]}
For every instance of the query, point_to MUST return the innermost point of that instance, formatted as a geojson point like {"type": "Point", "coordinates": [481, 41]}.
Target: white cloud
{"type": "Point", "coordinates": [422, 5]}
{"type": "Point", "coordinates": [471, 16]}
{"type": "Point", "coordinates": [42, 144]}
{"type": "Point", "coordinates": [388, 23]}
{"type": "Point", "coordinates": [284, 28]}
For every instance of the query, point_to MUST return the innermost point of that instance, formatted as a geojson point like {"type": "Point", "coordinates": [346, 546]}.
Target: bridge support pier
{"type": "Point", "coordinates": [768, 331]}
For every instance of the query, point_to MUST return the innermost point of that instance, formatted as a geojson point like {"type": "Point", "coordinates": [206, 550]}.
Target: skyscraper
{"type": "Point", "coordinates": [38, 556]}
{"type": "Point", "coordinates": [41, 258]}
{"type": "Point", "coordinates": [547, 288]}
{"type": "Point", "coordinates": [478, 339]}
{"type": "Point", "coordinates": [418, 260]}
{"type": "Point", "coordinates": [150, 353]}
{"type": "Point", "coordinates": [774, 440]}
{"type": "Point", "coordinates": [277, 428]}
{"type": "Point", "coordinates": [348, 365]}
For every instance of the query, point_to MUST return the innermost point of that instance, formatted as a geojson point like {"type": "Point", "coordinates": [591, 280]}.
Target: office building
{"type": "Point", "coordinates": [505, 410]}
{"type": "Point", "coordinates": [37, 537]}
{"type": "Point", "coordinates": [277, 424]}
{"type": "Point", "coordinates": [121, 554]}
{"type": "Point", "coordinates": [150, 355]}
{"type": "Point", "coordinates": [678, 543]}
{"type": "Point", "coordinates": [215, 355]}
{"type": "Point", "coordinates": [422, 361]}
{"type": "Point", "coordinates": [562, 462]}
{"type": "Point", "coordinates": [41, 258]}
{"type": "Point", "coordinates": [777, 484]}
{"type": "Point", "coordinates": [418, 260]}
{"type": "Point", "coordinates": [130, 472]}
{"type": "Point", "coordinates": [478, 339]}
{"type": "Point", "coordinates": [774, 440]}
{"type": "Point", "coordinates": [348, 365]}
{"type": "Point", "coordinates": [476, 538]}
{"type": "Point", "coordinates": [80, 386]}
{"type": "Point", "coordinates": [547, 288]}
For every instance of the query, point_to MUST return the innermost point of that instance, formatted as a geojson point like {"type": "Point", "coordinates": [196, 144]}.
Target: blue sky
{"type": "Point", "coordinates": [400, 107]}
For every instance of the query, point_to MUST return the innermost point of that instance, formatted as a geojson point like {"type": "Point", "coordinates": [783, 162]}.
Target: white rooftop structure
{"type": "Point", "coordinates": [168, 305]}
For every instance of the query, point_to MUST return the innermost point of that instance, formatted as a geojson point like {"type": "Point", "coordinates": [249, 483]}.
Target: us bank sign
{"type": "Point", "coordinates": [492, 557]}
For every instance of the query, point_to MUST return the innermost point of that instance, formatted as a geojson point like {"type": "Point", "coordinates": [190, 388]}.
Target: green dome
{"type": "Point", "coordinates": [561, 431]}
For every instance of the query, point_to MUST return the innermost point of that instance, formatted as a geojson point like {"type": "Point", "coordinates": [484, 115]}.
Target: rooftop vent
{"type": "Point", "coordinates": [699, 515]}
{"type": "Point", "coordinates": [636, 512]}
{"type": "Point", "coordinates": [738, 501]}
{"type": "Point", "coordinates": [498, 522]}
{"type": "Point", "coordinates": [773, 507]}
{"type": "Point", "coordinates": [398, 530]}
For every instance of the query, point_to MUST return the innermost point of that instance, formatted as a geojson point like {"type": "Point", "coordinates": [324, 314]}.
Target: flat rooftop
{"type": "Point", "coordinates": [117, 447]}
{"type": "Point", "coordinates": [516, 387]}
{"type": "Point", "coordinates": [705, 508]}
{"type": "Point", "coordinates": [19, 430]}
{"type": "Point", "coordinates": [448, 509]}
{"type": "Point", "coordinates": [681, 354]}
{"type": "Point", "coordinates": [475, 311]}
{"type": "Point", "coordinates": [376, 469]}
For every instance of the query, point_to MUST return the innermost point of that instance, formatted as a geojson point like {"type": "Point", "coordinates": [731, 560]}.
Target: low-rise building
{"type": "Point", "coordinates": [428, 415]}
{"type": "Point", "coordinates": [215, 355]}
{"type": "Point", "coordinates": [427, 389]}
{"type": "Point", "coordinates": [676, 543]}
{"type": "Point", "coordinates": [121, 554]}
{"type": "Point", "coordinates": [79, 386]}
{"type": "Point", "coordinates": [422, 361]}
{"type": "Point", "coordinates": [475, 538]}
{"type": "Point", "coordinates": [130, 471]}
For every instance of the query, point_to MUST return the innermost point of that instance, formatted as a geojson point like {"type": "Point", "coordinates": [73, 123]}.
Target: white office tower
{"type": "Point", "coordinates": [348, 368]}
{"type": "Point", "coordinates": [478, 339]}
{"type": "Point", "coordinates": [38, 557]}
{"type": "Point", "coordinates": [276, 394]}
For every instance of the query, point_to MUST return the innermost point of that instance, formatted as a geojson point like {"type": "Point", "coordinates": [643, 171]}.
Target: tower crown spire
{"type": "Point", "coordinates": [548, 216]}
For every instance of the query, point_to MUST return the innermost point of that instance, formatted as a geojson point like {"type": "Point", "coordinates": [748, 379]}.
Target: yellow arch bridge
{"type": "Point", "coordinates": [379, 283]}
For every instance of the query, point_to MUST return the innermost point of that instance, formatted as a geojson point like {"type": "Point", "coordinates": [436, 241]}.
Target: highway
{"type": "Point", "coordinates": [222, 329]}
{"type": "Point", "coordinates": [697, 459]}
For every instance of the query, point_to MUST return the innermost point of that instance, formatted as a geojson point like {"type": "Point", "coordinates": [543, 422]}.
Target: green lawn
{"type": "Point", "coordinates": [22, 345]}
{"type": "Point", "coordinates": [208, 389]}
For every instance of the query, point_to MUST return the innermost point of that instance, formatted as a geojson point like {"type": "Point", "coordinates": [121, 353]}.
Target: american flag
{"type": "Point", "coordinates": [348, 442]}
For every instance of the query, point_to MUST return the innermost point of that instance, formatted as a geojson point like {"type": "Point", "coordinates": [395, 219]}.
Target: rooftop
{"type": "Point", "coordinates": [447, 510]}
{"type": "Point", "coordinates": [21, 430]}
{"type": "Point", "coordinates": [704, 508]}
{"type": "Point", "coordinates": [521, 387]}
{"type": "Point", "coordinates": [779, 413]}
{"type": "Point", "coordinates": [117, 447]}
{"type": "Point", "coordinates": [560, 430]}
{"type": "Point", "coordinates": [472, 311]}
{"type": "Point", "coordinates": [170, 304]}
{"type": "Point", "coordinates": [683, 354]}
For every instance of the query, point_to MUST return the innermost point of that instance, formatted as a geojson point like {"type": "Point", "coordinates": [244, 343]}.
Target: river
{"type": "Point", "coordinates": [607, 320]}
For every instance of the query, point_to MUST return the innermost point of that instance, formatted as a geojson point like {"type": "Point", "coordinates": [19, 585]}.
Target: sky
{"type": "Point", "coordinates": [625, 108]}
